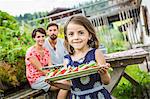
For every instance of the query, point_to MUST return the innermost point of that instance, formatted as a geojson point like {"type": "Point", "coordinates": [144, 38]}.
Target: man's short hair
{"type": "Point", "coordinates": [52, 24]}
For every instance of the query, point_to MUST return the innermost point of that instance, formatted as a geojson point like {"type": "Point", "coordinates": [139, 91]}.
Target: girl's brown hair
{"type": "Point", "coordinates": [83, 21]}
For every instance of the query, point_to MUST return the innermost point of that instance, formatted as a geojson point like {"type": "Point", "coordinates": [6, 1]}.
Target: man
{"type": "Point", "coordinates": [54, 44]}
{"type": "Point", "coordinates": [56, 49]}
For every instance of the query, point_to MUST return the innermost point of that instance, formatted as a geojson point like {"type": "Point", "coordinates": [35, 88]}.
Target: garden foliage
{"type": "Point", "coordinates": [13, 45]}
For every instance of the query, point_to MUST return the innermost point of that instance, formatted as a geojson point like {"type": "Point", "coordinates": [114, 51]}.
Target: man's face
{"type": "Point", "coordinates": [52, 32]}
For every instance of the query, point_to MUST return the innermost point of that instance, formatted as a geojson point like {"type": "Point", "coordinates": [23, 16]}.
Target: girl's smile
{"type": "Point", "coordinates": [77, 36]}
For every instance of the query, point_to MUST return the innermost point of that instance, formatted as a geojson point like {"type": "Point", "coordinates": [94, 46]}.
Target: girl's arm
{"type": "Point", "coordinates": [37, 64]}
{"type": "Point", "coordinates": [105, 77]}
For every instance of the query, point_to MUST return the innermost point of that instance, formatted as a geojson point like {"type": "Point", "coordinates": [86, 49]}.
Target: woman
{"type": "Point", "coordinates": [37, 57]}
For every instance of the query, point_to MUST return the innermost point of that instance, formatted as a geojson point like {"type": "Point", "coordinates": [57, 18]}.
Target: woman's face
{"type": "Point", "coordinates": [77, 36]}
{"type": "Point", "coordinates": [39, 38]}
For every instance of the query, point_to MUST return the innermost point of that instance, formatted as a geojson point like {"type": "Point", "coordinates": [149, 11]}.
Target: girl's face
{"type": "Point", "coordinates": [77, 36]}
{"type": "Point", "coordinates": [39, 38]}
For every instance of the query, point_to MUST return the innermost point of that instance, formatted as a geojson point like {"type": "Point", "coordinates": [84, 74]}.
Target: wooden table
{"type": "Point", "coordinates": [120, 60]}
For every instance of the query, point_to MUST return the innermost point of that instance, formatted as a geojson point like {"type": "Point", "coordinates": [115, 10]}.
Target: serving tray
{"type": "Point", "coordinates": [75, 74]}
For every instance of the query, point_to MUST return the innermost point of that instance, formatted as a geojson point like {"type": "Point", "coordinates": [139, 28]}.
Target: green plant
{"type": "Point", "coordinates": [125, 90]}
{"type": "Point", "coordinates": [13, 46]}
{"type": "Point", "coordinates": [112, 39]}
{"type": "Point", "coordinates": [10, 78]}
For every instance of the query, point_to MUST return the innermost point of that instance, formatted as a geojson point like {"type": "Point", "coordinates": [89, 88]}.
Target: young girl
{"type": "Point", "coordinates": [82, 45]}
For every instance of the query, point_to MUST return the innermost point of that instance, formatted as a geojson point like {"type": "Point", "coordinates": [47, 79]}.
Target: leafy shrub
{"type": "Point", "coordinates": [13, 46]}
{"type": "Point", "coordinates": [125, 90]}
{"type": "Point", "coordinates": [10, 78]}
{"type": "Point", "coordinates": [112, 39]}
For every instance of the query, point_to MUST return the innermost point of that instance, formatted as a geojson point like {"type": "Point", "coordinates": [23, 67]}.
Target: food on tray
{"type": "Point", "coordinates": [72, 72]}
{"type": "Point", "coordinates": [52, 72]}
{"type": "Point", "coordinates": [61, 71]}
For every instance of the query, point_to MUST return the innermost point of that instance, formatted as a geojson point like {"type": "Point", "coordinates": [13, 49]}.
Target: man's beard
{"type": "Point", "coordinates": [53, 37]}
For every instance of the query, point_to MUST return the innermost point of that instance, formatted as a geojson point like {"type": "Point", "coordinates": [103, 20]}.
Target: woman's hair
{"type": "Point", "coordinates": [83, 21]}
{"type": "Point", "coordinates": [40, 30]}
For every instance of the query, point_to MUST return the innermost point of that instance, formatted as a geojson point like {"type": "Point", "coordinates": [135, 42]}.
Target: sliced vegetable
{"type": "Point", "coordinates": [55, 72]}
{"type": "Point", "coordinates": [75, 69]}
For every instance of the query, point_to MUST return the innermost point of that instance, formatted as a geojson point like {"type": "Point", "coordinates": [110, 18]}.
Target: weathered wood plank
{"type": "Point", "coordinates": [26, 93]}
{"type": "Point", "coordinates": [126, 62]}
{"type": "Point", "coordinates": [31, 94]}
{"type": "Point", "coordinates": [129, 54]}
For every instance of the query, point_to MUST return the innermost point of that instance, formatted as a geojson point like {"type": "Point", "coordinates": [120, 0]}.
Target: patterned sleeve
{"type": "Point", "coordinates": [29, 53]}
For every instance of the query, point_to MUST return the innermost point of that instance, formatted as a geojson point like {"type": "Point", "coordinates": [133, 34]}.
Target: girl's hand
{"type": "Point", "coordinates": [107, 65]}
{"type": "Point", "coordinates": [104, 74]}
{"type": "Point", "coordinates": [103, 68]}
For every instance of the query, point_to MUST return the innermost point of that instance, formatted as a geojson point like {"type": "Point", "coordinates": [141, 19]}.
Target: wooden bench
{"type": "Point", "coordinates": [31, 93]}
{"type": "Point", "coordinates": [24, 94]}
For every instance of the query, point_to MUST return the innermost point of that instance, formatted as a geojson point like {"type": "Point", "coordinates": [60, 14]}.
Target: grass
{"type": "Point", "coordinates": [125, 90]}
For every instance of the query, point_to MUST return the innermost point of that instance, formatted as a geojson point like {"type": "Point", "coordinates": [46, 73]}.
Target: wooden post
{"type": "Point", "coordinates": [134, 82]}
{"type": "Point", "coordinates": [145, 23]}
